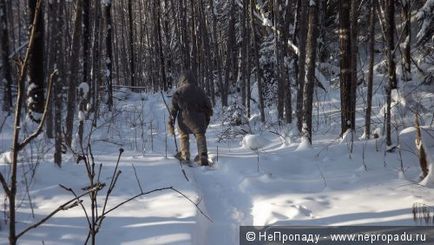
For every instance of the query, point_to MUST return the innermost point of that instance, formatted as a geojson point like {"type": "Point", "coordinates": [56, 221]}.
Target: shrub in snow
{"type": "Point", "coordinates": [253, 142]}
{"type": "Point", "coordinates": [235, 123]}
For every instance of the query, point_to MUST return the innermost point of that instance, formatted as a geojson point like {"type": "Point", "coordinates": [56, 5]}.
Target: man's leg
{"type": "Point", "coordinates": [185, 146]}
{"type": "Point", "coordinates": [202, 150]}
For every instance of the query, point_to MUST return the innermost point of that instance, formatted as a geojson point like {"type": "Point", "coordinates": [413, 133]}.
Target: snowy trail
{"type": "Point", "coordinates": [224, 203]}
{"type": "Point", "coordinates": [291, 185]}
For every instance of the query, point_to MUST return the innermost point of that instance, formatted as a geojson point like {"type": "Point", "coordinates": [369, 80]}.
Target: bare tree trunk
{"type": "Point", "coordinates": [256, 60]}
{"type": "Point", "coordinates": [160, 46]}
{"type": "Point", "coordinates": [131, 43]}
{"type": "Point", "coordinates": [278, 52]}
{"type": "Point", "coordinates": [35, 92]}
{"type": "Point", "coordinates": [244, 51]}
{"type": "Point", "coordinates": [286, 80]}
{"type": "Point", "coordinates": [107, 5]}
{"type": "Point", "coordinates": [423, 162]}
{"type": "Point", "coordinates": [230, 57]}
{"type": "Point", "coordinates": [96, 56]}
{"type": "Point", "coordinates": [309, 83]}
{"type": "Point", "coordinates": [58, 84]}
{"type": "Point", "coordinates": [194, 57]}
{"type": "Point", "coordinates": [7, 77]}
{"type": "Point", "coordinates": [354, 50]}
{"type": "Point", "coordinates": [370, 68]}
{"type": "Point", "coordinates": [11, 191]}
{"type": "Point", "coordinates": [74, 66]}
{"type": "Point", "coordinates": [206, 48]}
{"type": "Point", "coordinates": [185, 39]}
{"type": "Point", "coordinates": [406, 45]}
{"type": "Point", "coordinates": [345, 64]}
{"type": "Point", "coordinates": [390, 20]}
{"type": "Point", "coordinates": [302, 35]}
{"type": "Point", "coordinates": [216, 47]}
{"type": "Point", "coordinates": [86, 39]}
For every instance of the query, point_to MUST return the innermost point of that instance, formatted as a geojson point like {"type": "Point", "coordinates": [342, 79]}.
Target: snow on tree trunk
{"type": "Point", "coordinates": [107, 4]}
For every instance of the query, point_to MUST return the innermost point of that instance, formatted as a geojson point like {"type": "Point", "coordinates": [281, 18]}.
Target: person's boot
{"type": "Point", "coordinates": [183, 157]}
{"type": "Point", "coordinates": [204, 159]}
{"type": "Point", "coordinates": [197, 159]}
{"type": "Point", "coordinates": [202, 149]}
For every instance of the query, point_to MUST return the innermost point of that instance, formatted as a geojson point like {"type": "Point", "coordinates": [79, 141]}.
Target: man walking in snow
{"type": "Point", "coordinates": [193, 109]}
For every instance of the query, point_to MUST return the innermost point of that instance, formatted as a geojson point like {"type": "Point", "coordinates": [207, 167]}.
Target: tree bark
{"type": "Point", "coordinates": [256, 60]}
{"type": "Point", "coordinates": [58, 84]}
{"type": "Point", "coordinates": [406, 45]}
{"type": "Point", "coordinates": [390, 21]}
{"type": "Point", "coordinates": [309, 83]}
{"type": "Point", "coordinates": [5, 52]}
{"type": "Point", "coordinates": [35, 92]}
{"type": "Point", "coordinates": [230, 56]}
{"type": "Point", "coordinates": [107, 5]}
{"type": "Point", "coordinates": [86, 39]}
{"type": "Point", "coordinates": [286, 79]}
{"type": "Point", "coordinates": [345, 64]}
{"type": "Point", "coordinates": [302, 35]}
{"type": "Point", "coordinates": [371, 46]}
{"type": "Point", "coordinates": [73, 68]}
{"type": "Point", "coordinates": [131, 44]}
{"type": "Point", "coordinates": [354, 51]}
{"type": "Point", "coordinates": [278, 52]}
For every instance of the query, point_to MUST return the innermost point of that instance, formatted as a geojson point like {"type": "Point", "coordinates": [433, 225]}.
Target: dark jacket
{"type": "Point", "coordinates": [191, 106]}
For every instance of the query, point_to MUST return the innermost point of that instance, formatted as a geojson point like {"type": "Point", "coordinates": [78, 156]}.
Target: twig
{"type": "Point", "coordinates": [112, 184]}
{"type": "Point", "coordinates": [65, 206]}
{"type": "Point", "coordinates": [44, 116]}
{"type": "Point", "coordinates": [195, 204]}
{"type": "Point", "coordinates": [5, 185]}
{"type": "Point", "coordinates": [28, 195]}
{"type": "Point", "coordinates": [156, 190]}
{"type": "Point", "coordinates": [4, 121]}
{"type": "Point", "coordinates": [137, 179]}
{"type": "Point", "coordinates": [81, 203]}
{"type": "Point", "coordinates": [17, 127]}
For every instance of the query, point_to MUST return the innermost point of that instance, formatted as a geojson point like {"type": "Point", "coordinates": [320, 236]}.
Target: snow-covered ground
{"type": "Point", "coordinates": [263, 179]}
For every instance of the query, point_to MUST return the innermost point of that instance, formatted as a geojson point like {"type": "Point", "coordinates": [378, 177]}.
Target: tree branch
{"type": "Point", "coordinates": [65, 206]}
{"type": "Point", "coordinates": [149, 192]}
{"type": "Point", "coordinates": [81, 204]}
{"type": "Point", "coordinates": [44, 115]}
{"type": "Point", "coordinates": [5, 185]}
